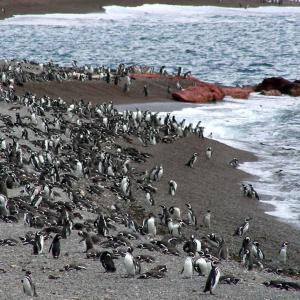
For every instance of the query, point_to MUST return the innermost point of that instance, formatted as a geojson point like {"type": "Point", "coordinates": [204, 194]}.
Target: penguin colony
{"type": "Point", "coordinates": [50, 148]}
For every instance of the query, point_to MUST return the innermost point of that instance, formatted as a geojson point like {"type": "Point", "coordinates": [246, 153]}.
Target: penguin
{"type": "Point", "coordinates": [107, 262]}
{"type": "Point", "coordinates": [257, 251]}
{"type": "Point", "coordinates": [253, 192]}
{"type": "Point", "coordinates": [159, 173]}
{"type": "Point", "coordinates": [208, 153]}
{"type": "Point", "coordinates": [149, 225]}
{"type": "Point", "coordinates": [132, 266]}
{"type": "Point", "coordinates": [192, 160]}
{"type": "Point", "coordinates": [283, 253]}
{"type": "Point", "coordinates": [28, 285]}
{"type": "Point", "coordinates": [192, 219]}
{"type": "Point", "coordinates": [212, 279]}
{"type": "Point", "coordinates": [38, 243]}
{"type": "Point", "coordinates": [101, 225]}
{"type": "Point", "coordinates": [55, 246]}
{"type": "Point", "coordinates": [149, 198]}
{"type": "Point", "coordinates": [245, 246]}
{"type": "Point", "coordinates": [192, 246]}
{"type": "Point", "coordinates": [164, 216]}
{"type": "Point", "coordinates": [175, 212]}
{"type": "Point", "coordinates": [234, 162]}
{"type": "Point", "coordinates": [241, 230]}
{"type": "Point", "coordinates": [174, 227]}
{"type": "Point", "coordinates": [172, 187]}
{"type": "Point", "coordinates": [200, 266]}
{"type": "Point", "coordinates": [206, 219]}
{"type": "Point", "coordinates": [188, 266]}
{"type": "Point", "coordinates": [250, 262]}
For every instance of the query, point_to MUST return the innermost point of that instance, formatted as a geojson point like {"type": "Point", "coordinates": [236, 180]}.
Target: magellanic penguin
{"type": "Point", "coordinates": [55, 246]}
{"type": "Point", "coordinates": [172, 187]}
{"type": "Point", "coordinates": [132, 266]}
{"type": "Point", "coordinates": [192, 219]}
{"type": "Point", "coordinates": [175, 212]}
{"type": "Point", "coordinates": [206, 219]}
{"type": "Point", "coordinates": [193, 245]}
{"type": "Point", "coordinates": [149, 225]}
{"type": "Point", "coordinates": [28, 285]}
{"type": "Point", "coordinates": [101, 225]}
{"type": "Point", "coordinates": [241, 230]}
{"type": "Point", "coordinates": [200, 265]}
{"type": "Point", "coordinates": [107, 261]}
{"type": "Point", "coordinates": [212, 279]}
{"type": "Point", "coordinates": [192, 160]}
{"type": "Point", "coordinates": [38, 244]}
{"type": "Point", "coordinates": [208, 153]}
{"type": "Point", "coordinates": [283, 253]}
{"type": "Point", "coordinates": [149, 198]}
{"type": "Point", "coordinates": [188, 266]}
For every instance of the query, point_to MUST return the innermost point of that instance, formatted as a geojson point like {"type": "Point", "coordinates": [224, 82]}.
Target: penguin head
{"type": "Point", "coordinates": [195, 154]}
{"type": "Point", "coordinates": [189, 206]}
{"type": "Point", "coordinates": [191, 254]}
{"type": "Point", "coordinates": [129, 249]}
{"type": "Point", "coordinates": [208, 211]}
{"type": "Point", "coordinates": [285, 244]}
{"type": "Point", "coordinates": [247, 238]}
{"type": "Point", "coordinates": [256, 243]}
{"type": "Point", "coordinates": [248, 219]}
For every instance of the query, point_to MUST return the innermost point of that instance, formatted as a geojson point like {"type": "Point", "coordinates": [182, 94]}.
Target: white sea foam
{"type": "Point", "coordinates": [164, 12]}
{"type": "Point", "coordinates": [260, 125]}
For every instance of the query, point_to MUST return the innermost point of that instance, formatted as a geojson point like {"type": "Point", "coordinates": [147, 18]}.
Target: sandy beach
{"type": "Point", "coordinates": [19, 7]}
{"type": "Point", "coordinates": [211, 184]}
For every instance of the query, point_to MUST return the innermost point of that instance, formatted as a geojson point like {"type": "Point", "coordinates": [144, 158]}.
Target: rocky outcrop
{"type": "Point", "coordinates": [201, 93]}
{"type": "Point", "coordinates": [278, 83]}
{"type": "Point", "coordinates": [236, 92]}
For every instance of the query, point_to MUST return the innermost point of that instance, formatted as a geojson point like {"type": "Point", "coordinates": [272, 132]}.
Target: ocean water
{"type": "Point", "coordinates": [224, 45]}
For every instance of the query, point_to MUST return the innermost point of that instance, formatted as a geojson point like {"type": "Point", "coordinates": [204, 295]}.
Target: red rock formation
{"type": "Point", "coordinates": [236, 92]}
{"type": "Point", "coordinates": [201, 93]}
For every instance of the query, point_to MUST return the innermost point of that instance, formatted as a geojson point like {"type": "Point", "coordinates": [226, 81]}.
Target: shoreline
{"type": "Point", "coordinates": [27, 7]}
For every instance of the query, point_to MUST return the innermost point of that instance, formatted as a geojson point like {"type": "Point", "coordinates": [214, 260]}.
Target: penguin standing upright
{"type": "Point", "coordinates": [132, 266]}
{"type": "Point", "coordinates": [208, 153]}
{"type": "Point", "coordinates": [212, 279]}
{"type": "Point", "coordinates": [38, 243]}
{"type": "Point", "coordinates": [192, 219]}
{"type": "Point", "coordinates": [149, 225]}
{"type": "Point", "coordinates": [28, 285]}
{"type": "Point", "coordinates": [101, 225]}
{"type": "Point", "coordinates": [283, 253]}
{"type": "Point", "coordinates": [55, 246]}
{"type": "Point", "coordinates": [241, 230]}
{"type": "Point", "coordinates": [188, 266]}
{"type": "Point", "coordinates": [206, 219]}
{"type": "Point", "coordinates": [192, 160]}
{"type": "Point", "coordinates": [172, 187]}
{"type": "Point", "coordinates": [107, 261]}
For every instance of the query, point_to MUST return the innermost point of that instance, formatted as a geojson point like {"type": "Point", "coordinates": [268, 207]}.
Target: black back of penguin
{"type": "Point", "coordinates": [107, 261]}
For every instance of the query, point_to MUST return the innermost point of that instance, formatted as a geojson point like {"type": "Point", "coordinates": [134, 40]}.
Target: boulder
{"type": "Point", "coordinates": [236, 92]}
{"type": "Point", "coordinates": [278, 83]}
{"type": "Point", "coordinates": [201, 93]}
{"type": "Point", "coordinates": [271, 93]}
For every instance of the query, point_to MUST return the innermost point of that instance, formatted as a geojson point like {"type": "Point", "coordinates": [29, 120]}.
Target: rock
{"type": "Point", "coordinates": [271, 93]}
{"type": "Point", "coordinates": [201, 93]}
{"type": "Point", "coordinates": [236, 92]}
{"type": "Point", "coordinates": [278, 83]}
